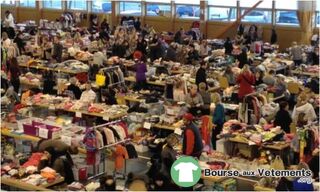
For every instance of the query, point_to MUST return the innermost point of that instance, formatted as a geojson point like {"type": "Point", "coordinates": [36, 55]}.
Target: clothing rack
{"type": "Point", "coordinates": [104, 147]}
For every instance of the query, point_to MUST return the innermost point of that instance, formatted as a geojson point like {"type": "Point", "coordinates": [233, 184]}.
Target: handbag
{"type": "Point", "coordinates": [277, 163]}
{"type": "Point", "coordinates": [100, 80]}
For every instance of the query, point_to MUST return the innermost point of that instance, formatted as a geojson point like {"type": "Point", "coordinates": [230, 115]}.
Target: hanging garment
{"type": "Point", "coordinates": [115, 133]}
{"type": "Point", "coordinates": [206, 127]}
{"type": "Point", "coordinates": [110, 136]}
{"type": "Point", "coordinates": [124, 126]}
{"type": "Point", "coordinates": [120, 155]}
{"type": "Point", "coordinates": [99, 139]}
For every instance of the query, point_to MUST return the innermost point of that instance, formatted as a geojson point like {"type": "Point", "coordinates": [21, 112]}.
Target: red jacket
{"type": "Point", "coordinates": [245, 81]}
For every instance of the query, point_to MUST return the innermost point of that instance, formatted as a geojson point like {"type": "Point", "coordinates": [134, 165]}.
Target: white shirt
{"type": "Point", "coordinates": [6, 43]}
{"type": "Point", "coordinates": [186, 171]}
{"type": "Point", "coordinates": [99, 58]}
{"type": "Point", "coordinates": [9, 21]}
{"type": "Point", "coordinates": [310, 114]}
{"type": "Point", "coordinates": [88, 96]}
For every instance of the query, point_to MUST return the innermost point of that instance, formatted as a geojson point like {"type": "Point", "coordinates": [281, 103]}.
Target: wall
{"type": "Point", "coordinates": [210, 29]}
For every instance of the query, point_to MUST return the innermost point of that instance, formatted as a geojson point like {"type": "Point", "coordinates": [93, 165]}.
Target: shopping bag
{"type": "Point", "coordinates": [100, 80]}
{"type": "Point", "coordinates": [277, 163]}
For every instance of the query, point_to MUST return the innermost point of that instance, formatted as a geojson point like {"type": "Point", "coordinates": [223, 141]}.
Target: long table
{"type": "Point", "coordinates": [158, 83]}
{"type": "Point", "coordinates": [301, 73]}
{"type": "Point", "coordinates": [59, 70]}
{"type": "Point", "coordinates": [29, 138]}
{"type": "Point", "coordinates": [103, 115]}
{"type": "Point", "coordinates": [29, 187]}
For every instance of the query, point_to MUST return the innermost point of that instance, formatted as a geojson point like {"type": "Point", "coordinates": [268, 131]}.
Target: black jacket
{"type": "Point", "coordinates": [201, 76]}
{"type": "Point", "coordinates": [142, 46]}
{"type": "Point", "coordinates": [75, 90]}
{"type": "Point", "coordinates": [243, 59]}
{"type": "Point", "coordinates": [228, 47]}
{"type": "Point", "coordinates": [57, 52]}
{"type": "Point", "coordinates": [171, 54]}
{"type": "Point", "coordinates": [283, 120]}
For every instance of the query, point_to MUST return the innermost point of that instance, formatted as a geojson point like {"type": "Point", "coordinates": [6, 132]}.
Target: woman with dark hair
{"type": "Point", "coordinates": [242, 58]}
{"type": "Point", "coordinates": [9, 24]}
{"type": "Point", "coordinates": [259, 77]}
{"type": "Point", "coordinates": [52, 159]}
{"type": "Point", "coordinates": [15, 72]}
{"type": "Point", "coordinates": [48, 83]}
{"type": "Point", "coordinates": [20, 43]}
{"type": "Point", "coordinates": [155, 47]}
{"type": "Point", "coordinates": [283, 118]}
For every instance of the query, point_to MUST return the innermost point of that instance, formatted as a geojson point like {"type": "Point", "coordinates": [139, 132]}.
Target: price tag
{"type": "Point", "coordinates": [43, 133]}
{"type": "Point", "coordinates": [52, 107]}
{"type": "Point", "coordinates": [66, 139]}
{"type": "Point", "coordinates": [147, 125]}
{"type": "Point", "coordinates": [106, 118]}
{"type": "Point", "coordinates": [178, 131]}
{"type": "Point", "coordinates": [78, 114]}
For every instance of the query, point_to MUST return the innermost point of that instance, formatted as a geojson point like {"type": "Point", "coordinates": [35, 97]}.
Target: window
{"type": "Point", "coordinates": [257, 16]}
{"type": "Point", "coordinates": [261, 14]}
{"type": "Point", "coordinates": [102, 6]}
{"type": "Point", "coordinates": [286, 13]}
{"type": "Point", "coordinates": [222, 14]}
{"type": "Point", "coordinates": [222, 10]}
{"type": "Point", "coordinates": [154, 9]}
{"type": "Point", "coordinates": [189, 2]}
{"type": "Point", "coordinates": [77, 5]}
{"type": "Point", "coordinates": [27, 3]}
{"type": "Point", "coordinates": [318, 18]}
{"type": "Point", "coordinates": [52, 4]}
{"type": "Point", "coordinates": [287, 18]}
{"type": "Point", "coordinates": [130, 8]}
{"type": "Point", "coordinates": [8, 2]}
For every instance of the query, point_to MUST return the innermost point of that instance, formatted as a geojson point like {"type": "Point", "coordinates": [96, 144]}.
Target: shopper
{"type": "Point", "coordinates": [206, 97]}
{"type": "Point", "coordinates": [46, 47]}
{"type": "Point", "coordinates": [137, 24]}
{"type": "Point", "coordinates": [155, 48]}
{"type": "Point", "coordinates": [74, 88]}
{"type": "Point", "coordinates": [269, 79]}
{"type": "Point", "coordinates": [15, 73]}
{"type": "Point", "coordinates": [303, 106]}
{"type": "Point", "coordinates": [179, 94]}
{"type": "Point", "coordinates": [283, 118]}
{"type": "Point", "coordinates": [228, 73]}
{"type": "Point", "coordinates": [104, 25]}
{"type": "Point", "coordinates": [99, 58]}
{"type": "Point", "coordinates": [242, 58]}
{"type": "Point", "coordinates": [259, 77]}
{"type": "Point", "coordinates": [201, 75]}
{"type": "Point", "coordinates": [204, 48]}
{"type": "Point", "coordinates": [315, 56]}
{"type": "Point", "coordinates": [168, 155]}
{"type": "Point", "coordinates": [57, 49]}
{"type": "Point", "coordinates": [178, 37]}
{"type": "Point", "coordinates": [9, 24]}
{"type": "Point", "coordinates": [192, 142]}
{"type": "Point", "coordinates": [51, 158]}
{"type": "Point", "coordinates": [141, 45]}
{"type": "Point", "coordinates": [49, 81]}
{"type": "Point", "coordinates": [246, 80]}
{"type": "Point", "coordinates": [171, 54]}
{"type": "Point", "coordinates": [193, 55]}
{"type": "Point", "coordinates": [228, 47]}
{"type": "Point", "coordinates": [60, 148]}
{"type": "Point", "coordinates": [296, 53]}
{"type": "Point", "coordinates": [274, 37]}
{"type": "Point", "coordinates": [88, 96]}
{"type": "Point", "coordinates": [280, 88]}
{"type": "Point", "coordinates": [218, 120]}
{"type": "Point", "coordinates": [194, 101]}
{"type": "Point", "coordinates": [141, 69]}
{"type": "Point", "coordinates": [5, 40]}
{"type": "Point", "coordinates": [20, 43]}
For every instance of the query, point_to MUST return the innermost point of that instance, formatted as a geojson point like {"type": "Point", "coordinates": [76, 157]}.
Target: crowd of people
{"type": "Point", "coordinates": [144, 45]}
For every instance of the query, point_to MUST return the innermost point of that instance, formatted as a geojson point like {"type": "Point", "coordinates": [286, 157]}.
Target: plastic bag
{"type": "Point", "coordinates": [100, 80]}
{"type": "Point", "coordinates": [277, 163]}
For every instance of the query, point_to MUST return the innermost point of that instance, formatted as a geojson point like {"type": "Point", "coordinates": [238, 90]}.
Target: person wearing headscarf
{"type": "Point", "coordinates": [192, 141]}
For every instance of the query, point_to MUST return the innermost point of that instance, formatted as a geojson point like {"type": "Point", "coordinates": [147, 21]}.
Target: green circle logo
{"type": "Point", "coordinates": [185, 172]}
